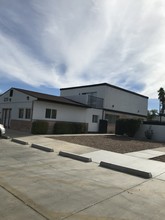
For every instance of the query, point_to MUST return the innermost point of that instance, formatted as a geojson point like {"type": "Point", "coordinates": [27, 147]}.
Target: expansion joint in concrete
{"type": "Point", "coordinates": [24, 199]}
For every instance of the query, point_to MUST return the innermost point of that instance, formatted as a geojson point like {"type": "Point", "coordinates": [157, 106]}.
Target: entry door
{"type": "Point", "coordinates": [6, 115]}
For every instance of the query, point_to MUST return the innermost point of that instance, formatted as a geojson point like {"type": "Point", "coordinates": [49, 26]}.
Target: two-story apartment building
{"type": "Point", "coordinates": [115, 102]}
{"type": "Point", "coordinates": [87, 104]}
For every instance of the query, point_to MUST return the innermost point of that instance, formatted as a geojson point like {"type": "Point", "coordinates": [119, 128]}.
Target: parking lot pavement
{"type": "Point", "coordinates": [40, 185]}
{"type": "Point", "coordinates": [13, 208]}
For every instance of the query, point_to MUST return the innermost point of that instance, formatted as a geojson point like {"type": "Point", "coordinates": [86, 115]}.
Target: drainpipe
{"type": "Point", "coordinates": [32, 114]}
{"type": "Point", "coordinates": [102, 114]}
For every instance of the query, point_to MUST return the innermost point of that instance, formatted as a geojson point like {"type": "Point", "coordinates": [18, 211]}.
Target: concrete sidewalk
{"type": "Point", "coordinates": [156, 168]}
{"type": "Point", "coordinates": [147, 154]}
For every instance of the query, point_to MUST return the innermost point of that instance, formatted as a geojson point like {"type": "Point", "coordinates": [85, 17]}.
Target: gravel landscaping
{"type": "Point", "coordinates": [119, 144]}
{"type": "Point", "coordinates": [160, 158]}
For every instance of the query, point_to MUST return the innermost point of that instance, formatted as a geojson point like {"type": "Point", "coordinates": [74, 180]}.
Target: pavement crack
{"type": "Point", "coordinates": [24, 199]}
{"type": "Point", "coordinates": [103, 200]}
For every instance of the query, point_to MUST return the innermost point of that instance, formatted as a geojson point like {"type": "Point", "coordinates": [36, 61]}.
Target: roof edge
{"type": "Point", "coordinates": [106, 84]}
{"type": "Point", "coordinates": [121, 112]}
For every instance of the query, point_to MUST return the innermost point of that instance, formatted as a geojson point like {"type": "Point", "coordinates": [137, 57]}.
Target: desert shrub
{"type": "Point", "coordinates": [69, 128]}
{"type": "Point", "coordinates": [39, 127]}
{"type": "Point", "coordinates": [127, 126]}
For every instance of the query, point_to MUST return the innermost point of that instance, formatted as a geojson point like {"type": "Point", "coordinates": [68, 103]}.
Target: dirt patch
{"type": "Point", "coordinates": [113, 143]}
{"type": "Point", "coordinates": [160, 158]}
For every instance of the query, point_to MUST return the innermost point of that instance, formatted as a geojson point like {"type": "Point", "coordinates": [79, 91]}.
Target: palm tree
{"type": "Point", "coordinates": [161, 97]}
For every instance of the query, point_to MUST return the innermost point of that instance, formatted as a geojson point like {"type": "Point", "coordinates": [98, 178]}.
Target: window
{"type": "Point", "coordinates": [21, 113]}
{"type": "Point", "coordinates": [95, 118]}
{"type": "Point", "coordinates": [6, 99]}
{"type": "Point", "coordinates": [28, 113]}
{"type": "Point", "coordinates": [54, 112]}
{"type": "Point", "coordinates": [11, 92]}
{"type": "Point", "coordinates": [90, 93]}
{"type": "Point", "coordinates": [50, 113]}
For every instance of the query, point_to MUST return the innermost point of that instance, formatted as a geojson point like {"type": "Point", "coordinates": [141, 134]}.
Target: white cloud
{"type": "Point", "coordinates": [74, 42]}
{"type": "Point", "coordinates": [16, 64]}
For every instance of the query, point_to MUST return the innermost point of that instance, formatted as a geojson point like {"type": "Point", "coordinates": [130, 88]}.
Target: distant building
{"type": "Point", "coordinates": [89, 104]}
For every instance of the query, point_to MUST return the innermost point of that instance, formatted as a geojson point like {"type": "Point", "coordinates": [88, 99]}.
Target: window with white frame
{"type": "Point", "coordinates": [21, 113]}
{"type": "Point", "coordinates": [50, 113]}
{"type": "Point", "coordinates": [24, 113]}
{"type": "Point", "coordinates": [54, 113]}
{"type": "Point", "coordinates": [28, 113]}
{"type": "Point", "coordinates": [95, 118]}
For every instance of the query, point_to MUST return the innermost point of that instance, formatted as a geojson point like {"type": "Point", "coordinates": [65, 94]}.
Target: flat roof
{"type": "Point", "coordinates": [105, 84]}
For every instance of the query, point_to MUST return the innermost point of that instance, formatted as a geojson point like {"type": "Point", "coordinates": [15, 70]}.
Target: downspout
{"type": "Point", "coordinates": [32, 114]}
{"type": "Point", "coordinates": [103, 114]}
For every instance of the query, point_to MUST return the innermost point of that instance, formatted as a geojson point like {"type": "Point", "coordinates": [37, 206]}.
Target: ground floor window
{"type": "Point", "coordinates": [95, 118]}
{"type": "Point", "coordinates": [54, 113]}
{"type": "Point", "coordinates": [28, 113]}
{"type": "Point", "coordinates": [24, 113]}
{"type": "Point", "coordinates": [21, 113]}
{"type": "Point", "coordinates": [50, 113]}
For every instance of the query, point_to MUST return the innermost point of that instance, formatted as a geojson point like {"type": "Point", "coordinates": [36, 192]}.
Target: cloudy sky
{"type": "Point", "coordinates": [50, 44]}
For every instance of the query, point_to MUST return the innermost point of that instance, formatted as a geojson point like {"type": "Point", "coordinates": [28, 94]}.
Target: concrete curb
{"type": "Point", "coordinates": [5, 137]}
{"type": "Point", "coordinates": [40, 147]}
{"type": "Point", "coordinates": [19, 141]}
{"type": "Point", "coordinates": [139, 173]}
{"type": "Point", "coordinates": [75, 156]}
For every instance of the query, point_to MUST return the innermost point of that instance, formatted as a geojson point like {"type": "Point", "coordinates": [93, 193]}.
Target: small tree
{"type": "Point", "coordinates": [152, 114]}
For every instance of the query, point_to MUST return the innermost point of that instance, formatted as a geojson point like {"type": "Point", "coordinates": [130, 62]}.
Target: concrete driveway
{"type": "Point", "coordinates": [43, 185]}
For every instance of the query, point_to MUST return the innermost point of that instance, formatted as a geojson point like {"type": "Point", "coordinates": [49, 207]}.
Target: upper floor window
{"type": "Point", "coordinates": [11, 92]}
{"type": "Point", "coordinates": [6, 99]}
{"type": "Point", "coordinates": [90, 93]}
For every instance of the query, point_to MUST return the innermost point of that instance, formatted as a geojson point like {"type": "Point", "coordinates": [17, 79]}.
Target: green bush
{"type": "Point", "coordinates": [39, 127]}
{"type": "Point", "coordinates": [69, 128]}
{"type": "Point", "coordinates": [127, 126]}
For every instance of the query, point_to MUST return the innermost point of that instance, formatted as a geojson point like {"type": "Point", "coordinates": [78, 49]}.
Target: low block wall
{"type": "Point", "coordinates": [21, 125]}
{"type": "Point", "coordinates": [158, 132]}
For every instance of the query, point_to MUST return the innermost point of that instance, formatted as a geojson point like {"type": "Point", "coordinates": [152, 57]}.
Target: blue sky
{"type": "Point", "coordinates": [50, 44]}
